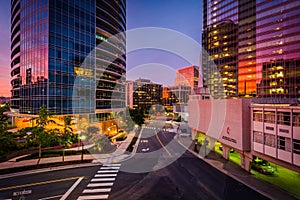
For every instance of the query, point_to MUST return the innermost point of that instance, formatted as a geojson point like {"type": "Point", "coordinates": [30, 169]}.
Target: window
{"type": "Point", "coordinates": [258, 137]}
{"type": "Point", "coordinates": [269, 117]}
{"type": "Point", "coordinates": [284, 143]}
{"type": "Point", "coordinates": [257, 116]}
{"type": "Point", "coordinates": [269, 140]}
{"type": "Point", "coordinates": [296, 119]}
{"type": "Point", "coordinates": [296, 144]}
{"type": "Point", "coordinates": [283, 118]}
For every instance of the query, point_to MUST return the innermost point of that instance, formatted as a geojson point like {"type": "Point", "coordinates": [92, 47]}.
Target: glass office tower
{"type": "Point", "coordinates": [55, 43]}
{"type": "Point", "coordinates": [219, 39]}
{"type": "Point", "coordinates": [264, 59]}
{"type": "Point", "coordinates": [278, 48]}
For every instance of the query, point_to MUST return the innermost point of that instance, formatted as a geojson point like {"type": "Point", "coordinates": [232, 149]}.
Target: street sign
{"type": "Point", "coordinates": [22, 192]}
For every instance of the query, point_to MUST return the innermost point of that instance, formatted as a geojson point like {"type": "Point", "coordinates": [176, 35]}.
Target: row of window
{"type": "Point", "coordinates": [283, 118]}
{"type": "Point", "coordinates": [283, 143]}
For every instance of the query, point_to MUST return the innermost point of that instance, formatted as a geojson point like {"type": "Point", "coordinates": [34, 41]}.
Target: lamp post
{"type": "Point", "coordinates": [78, 132]}
{"type": "Point", "coordinates": [82, 138]}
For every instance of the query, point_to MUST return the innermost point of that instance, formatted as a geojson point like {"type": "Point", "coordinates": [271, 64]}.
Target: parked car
{"type": "Point", "coordinates": [262, 166]}
{"type": "Point", "coordinates": [221, 149]}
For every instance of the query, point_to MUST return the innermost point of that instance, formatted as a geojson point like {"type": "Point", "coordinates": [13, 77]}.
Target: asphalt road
{"type": "Point", "coordinates": [188, 177]}
{"type": "Point", "coordinates": [47, 185]}
{"type": "Point", "coordinates": [160, 169]}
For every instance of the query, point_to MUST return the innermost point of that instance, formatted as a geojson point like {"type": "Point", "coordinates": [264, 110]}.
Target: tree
{"type": "Point", "coordinates": [7, 142]}
{"type": "Point", "coordinates": [3, 117]}
{"type": "Point", "coordinates": [39, 137]}
{"type": "Point", "coordinates": [66, 138]}
{"type": "Point", "coordinates": [43, 119]}
{"type": "Point", "coordinates": [137, 116]}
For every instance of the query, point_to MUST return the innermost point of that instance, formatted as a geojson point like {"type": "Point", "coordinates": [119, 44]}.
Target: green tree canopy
{"type": "Point", "coordinates": [3, 117]}
{"type": "Point", "coordinates": [44, 117]}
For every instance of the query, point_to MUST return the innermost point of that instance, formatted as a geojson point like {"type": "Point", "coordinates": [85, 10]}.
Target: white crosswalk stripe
{"type": "Point", "coordinates": [103, 179]}
{"type": "Point", "coordinates": [93, 197]}
{"type": "Point", "coordinates": [110, 168]}
{"type": "Point", "coordinates": [101, 184]}
{"type": "Point", "coordinates": [107, 171]}
{"type": "Point", "coordinates": [96, 190]}
{"type": "Point", "coordinates": [105, 175]}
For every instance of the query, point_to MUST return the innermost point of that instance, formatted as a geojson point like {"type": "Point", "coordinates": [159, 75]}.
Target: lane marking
{"type": "Point", "coordinates": [71, 189]}
{"type": "Point", "coordinates": [102, 179]}
{"type": "Point", "coordinates": [162, 144]}
{"type": "Point", "coordinates": [46, 198]}
{"type": "Point", "coordinates": [107, 171]}
{"type": "Point", "coordinates": [96, 190]}
{"type": "Point", "coordinates": [100, 184]}
{"type": "Point", "coordinates": [41, 183]}
{"type": "Point", "coordinates": [105, 175]}
{"type": "Point", "coordinates": [93, 197]}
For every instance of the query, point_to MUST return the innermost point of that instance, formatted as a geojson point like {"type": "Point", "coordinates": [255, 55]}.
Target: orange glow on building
{"type": "Point", "coordinates": [188, 76]}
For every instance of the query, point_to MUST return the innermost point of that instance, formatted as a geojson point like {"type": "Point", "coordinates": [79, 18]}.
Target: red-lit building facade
{"type": "Point", "coordinates": [278, 48]}
{"type": "Point", "coordinates": [188, 76]}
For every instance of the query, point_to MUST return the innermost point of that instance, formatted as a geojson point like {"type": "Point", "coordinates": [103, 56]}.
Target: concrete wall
{"type": "Point", "coordinates": [227, 120]}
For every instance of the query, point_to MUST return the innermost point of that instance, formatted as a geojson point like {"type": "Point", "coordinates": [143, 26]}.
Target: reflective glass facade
{"type": "Point", "coordinates": [188, 76]}
{"type": "Point", "coordinates": [268, 47]}
{"type": "Point", "coordinates": [54, 45]}
{"type": "Point", "coordinates": [247, 48]}
{"type": "Point", "coordinates": [221, 45]}
{"type": "Point", "coordinates": [278, 48]}
{"type": "Point", "coordinates": [220, 40]}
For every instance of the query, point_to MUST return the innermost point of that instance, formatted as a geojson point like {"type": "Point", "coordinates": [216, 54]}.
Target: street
{"type": "Point", "coordinates": [160, 169]}
{"type": "Point", "coordinates": [47, 185]}
{"type": "Point", "coordinates": [188, 177]}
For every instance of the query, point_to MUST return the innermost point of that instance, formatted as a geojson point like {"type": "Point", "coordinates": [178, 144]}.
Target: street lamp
{"type": "Point", "coordinates": [78, 132]}
{"type": "Point", "coordinates": [83, 137]}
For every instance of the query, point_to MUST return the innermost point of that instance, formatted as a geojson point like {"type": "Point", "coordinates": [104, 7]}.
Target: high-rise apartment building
{"type": "Point", "coordinates": [188, 76]}
{"type": "Point", "coordinates": [62, 56]}
{"type": "Point", "coordinates": [278, 48]}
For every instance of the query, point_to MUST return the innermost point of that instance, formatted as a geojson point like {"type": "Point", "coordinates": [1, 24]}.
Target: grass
{"type": "Point", "coordinates": [233, 156]}
{"type": "Point", "coordinates": [283, 178]}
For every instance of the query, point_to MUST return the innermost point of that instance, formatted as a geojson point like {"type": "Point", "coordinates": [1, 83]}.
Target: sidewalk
{"type": "Point", "coordinates": [236, 172]}
{"type": "Point", "coordinates": [119, 154]}
{"type": "Point", "coordinates": [11, 164]}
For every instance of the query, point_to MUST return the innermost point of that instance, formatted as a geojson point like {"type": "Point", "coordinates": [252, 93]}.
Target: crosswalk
{"type": "Point", "coordinates": [101, 184]}
{"type": "Point", "coordinates": [160, 128]}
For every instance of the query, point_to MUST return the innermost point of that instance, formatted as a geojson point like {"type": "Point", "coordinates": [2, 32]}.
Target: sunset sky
{"type": "Point", "coordinates": [182, 16]}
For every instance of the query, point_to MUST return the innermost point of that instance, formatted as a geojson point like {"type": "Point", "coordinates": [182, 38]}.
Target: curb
{"type": "Point", "coordinates": [32, 169]}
